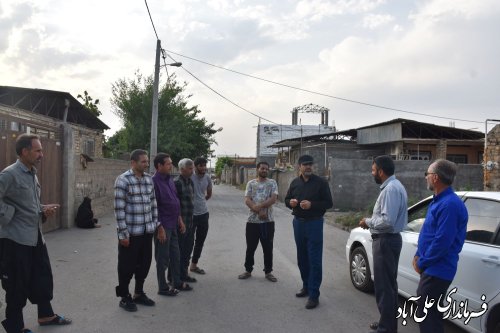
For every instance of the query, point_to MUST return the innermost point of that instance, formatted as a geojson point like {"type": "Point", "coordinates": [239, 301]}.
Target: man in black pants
{"type": "Point", "coordinates": [137, 219]}
{"type": "Point", "coordinates": [24, 261]}
{"type": "Point", "coordinates": [260, 195]}
{"type": "Point", "coordinates": [202, 185]}
{"type": "Point", "coordinates": [389, 217]}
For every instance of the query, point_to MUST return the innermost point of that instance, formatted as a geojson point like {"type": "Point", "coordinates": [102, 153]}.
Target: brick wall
{"type": "Point", "coordinates": [492, 160]}
{"type": "Point", "coordinates": [97, 181]}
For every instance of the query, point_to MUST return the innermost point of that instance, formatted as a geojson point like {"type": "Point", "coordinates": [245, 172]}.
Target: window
{"type": "Point", "coordinates": [484, 219]}
{"type": "Point", "coordinates": [457, 158]}
{"type": "Point", "coordinates": [88, 147]}
{"type": "Point", "coordinates": [416, 216]}
{"type": "Point", "coordinates": [3, 124]}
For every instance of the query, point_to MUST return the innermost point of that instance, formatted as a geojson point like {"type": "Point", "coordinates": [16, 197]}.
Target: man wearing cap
{"type": "Point", "coordinates": [309, 197]}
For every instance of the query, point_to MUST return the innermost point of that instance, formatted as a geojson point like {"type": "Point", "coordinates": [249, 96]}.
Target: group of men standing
{"type": "Point", "coordinates": [172, 214]}
{"type": "Point", "coordinates": [436, 259]}
{"type": "Point", "coordinates": [167, 212]}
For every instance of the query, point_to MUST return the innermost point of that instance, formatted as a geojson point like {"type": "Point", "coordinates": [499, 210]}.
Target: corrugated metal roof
{"type": "Point", "coordinates": [50, 103]}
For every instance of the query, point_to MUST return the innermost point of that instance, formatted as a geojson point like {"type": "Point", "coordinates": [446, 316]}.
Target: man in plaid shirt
{"type": "Point", "coordinates": [137, 219]}
{"type": "Point", "coordinates": [185, 192]}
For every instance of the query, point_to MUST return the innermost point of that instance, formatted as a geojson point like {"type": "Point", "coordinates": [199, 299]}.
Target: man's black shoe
{"type": "Point", "coordinates": [302, 293]}
{"type": "Point", "coordinates": [144, 300]}
{"type": "Point", "coordinates": [312, 303]}
{"type": "Point", "coordinates": [189, 279]}
{"type": "Point", "coordinates": [128, 304]}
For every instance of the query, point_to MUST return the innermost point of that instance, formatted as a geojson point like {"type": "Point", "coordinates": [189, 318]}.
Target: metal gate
{"type": "Point", "coordinates": [50, 168]}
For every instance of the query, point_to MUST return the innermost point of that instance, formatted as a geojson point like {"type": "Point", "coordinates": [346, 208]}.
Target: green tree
{"type": "Point", "coordinates": [89, 103]}
{"type": "Point", "coordinates": [219, 165]}
{"type": "Point", "coordinates": [181, 132]}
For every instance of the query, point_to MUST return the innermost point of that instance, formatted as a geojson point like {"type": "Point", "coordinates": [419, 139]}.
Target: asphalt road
{"type": "Point", "coordinates": [84, 266]}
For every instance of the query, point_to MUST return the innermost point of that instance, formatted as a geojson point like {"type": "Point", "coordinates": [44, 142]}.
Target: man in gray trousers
{"type": "Point", "coordinates": [390, 215]}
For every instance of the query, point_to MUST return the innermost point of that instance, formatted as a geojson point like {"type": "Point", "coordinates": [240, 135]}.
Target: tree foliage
{"type": "Point", "coordinates": [221, 162]}
{"type": "Point", "coordinates": [181, 132]}
{"type": "Point", "coordinates": [89, 103]}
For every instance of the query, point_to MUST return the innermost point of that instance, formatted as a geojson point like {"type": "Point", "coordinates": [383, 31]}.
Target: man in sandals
{"type": "Point", "coordinates": [166, 240]}
{"type": "Point", "coordinates": [260, 195]}
{"type": "Point", "coordinates": [202, 185]}
{"type": "Point", "coordinates": [24, 261]}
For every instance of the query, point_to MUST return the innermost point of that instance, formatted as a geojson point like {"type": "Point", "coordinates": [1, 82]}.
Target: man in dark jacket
{"type": "Point", "coordinates": [309, 197]}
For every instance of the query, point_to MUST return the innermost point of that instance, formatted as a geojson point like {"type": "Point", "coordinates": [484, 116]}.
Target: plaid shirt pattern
{"type": "Point", "coordinates": [135, 205]}
{"type": "Point", "coordinates": [185, 192]}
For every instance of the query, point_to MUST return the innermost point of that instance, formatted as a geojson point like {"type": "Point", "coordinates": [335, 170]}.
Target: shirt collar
{"type": "Point", "coordinates": [442, 194]}
{"type": "Point", "coordinates": [387, 181]}
{"type": "Point", "coordinates": [24, 168]}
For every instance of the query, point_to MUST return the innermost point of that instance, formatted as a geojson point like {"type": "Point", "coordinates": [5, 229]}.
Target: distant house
{"type": "Point", "coordinates": [403, 139]}
{"type": "Point", "coordinates": [241, 169]}
{"type": "Point", "coordinates": [66, 129]}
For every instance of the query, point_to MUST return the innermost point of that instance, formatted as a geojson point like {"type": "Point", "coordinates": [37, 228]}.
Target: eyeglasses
{"type": "Point", "coordinates": [429, 173]}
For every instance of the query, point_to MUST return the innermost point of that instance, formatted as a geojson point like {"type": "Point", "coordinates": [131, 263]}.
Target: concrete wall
{"type": "Point", "coordinates": [283, 178]}
{"type": "Point", "coordinates": [96, 181]}
{"type": "Point", "coordinates": [353, 187]}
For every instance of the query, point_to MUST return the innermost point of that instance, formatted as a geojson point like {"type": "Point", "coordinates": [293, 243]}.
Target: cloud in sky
{"type": "Point", "coordinates": [437, 57]}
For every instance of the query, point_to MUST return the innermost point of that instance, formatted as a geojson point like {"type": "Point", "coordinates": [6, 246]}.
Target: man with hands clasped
{"type": "Point", "coordinates": [309, 197]}
{"type": "Point", "coordinates": [260, 196]}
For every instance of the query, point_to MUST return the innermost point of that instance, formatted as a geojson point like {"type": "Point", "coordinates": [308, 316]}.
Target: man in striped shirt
{"type": "Point", "coordinates": [137, 219]}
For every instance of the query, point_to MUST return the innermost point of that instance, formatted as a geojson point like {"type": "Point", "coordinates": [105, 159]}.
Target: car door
{"type": "Point", "coordinates": [407, 277]}
{"type": "Point", "coordinates": [478, 271]}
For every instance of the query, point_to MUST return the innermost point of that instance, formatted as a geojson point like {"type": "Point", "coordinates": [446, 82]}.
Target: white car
{"type": "Point", "coordinates": [478, 271]}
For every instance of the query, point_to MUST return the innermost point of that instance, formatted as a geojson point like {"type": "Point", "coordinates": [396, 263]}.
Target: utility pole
{"type": "Point", "coordinates": [154, 115]}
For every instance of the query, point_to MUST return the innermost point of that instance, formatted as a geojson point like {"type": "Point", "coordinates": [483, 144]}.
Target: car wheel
{"type": "Point", "coordinates": [359, 270]}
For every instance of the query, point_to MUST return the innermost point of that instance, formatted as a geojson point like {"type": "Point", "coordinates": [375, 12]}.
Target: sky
{"type": "Point", "coordinates": [433, 59]}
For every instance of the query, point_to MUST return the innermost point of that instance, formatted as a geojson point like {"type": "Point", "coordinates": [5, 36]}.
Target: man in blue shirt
{"type": "Point", "coordinates": [439, 243]}
{"type": "Point", "coordinates": [390, 215]}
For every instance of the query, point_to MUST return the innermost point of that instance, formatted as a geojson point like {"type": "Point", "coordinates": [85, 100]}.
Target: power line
{"type": "Point", "coordinates": [147, 7]}
{"type": "Point", "coordinates": [320, 93]}
{"type": "Point", "coordinates": [164, 54]}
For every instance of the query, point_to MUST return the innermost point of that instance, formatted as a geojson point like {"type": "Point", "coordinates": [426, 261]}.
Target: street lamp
{"type": "Point", "coordinates": [154, 114]}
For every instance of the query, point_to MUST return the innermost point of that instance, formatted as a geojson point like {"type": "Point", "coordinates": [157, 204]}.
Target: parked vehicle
{"type": "Point", "coordinates": [478, 271]}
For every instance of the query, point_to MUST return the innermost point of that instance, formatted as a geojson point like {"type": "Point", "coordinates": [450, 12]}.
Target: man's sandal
{"type": "Point", "coordinates": [58, 320]}
{"type": "Point", "coordinates": [169, 292]}
{"type": "Point", "coordinates": [197, 270]}
{"type": "Point", "coordinates": [271, 277]}
{"type": "Point", "coordinates": [244, 276]}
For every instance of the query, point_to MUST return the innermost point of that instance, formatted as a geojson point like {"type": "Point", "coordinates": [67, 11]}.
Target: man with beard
{"type": "Point", "coordinates": [309, 197]}
{"type": "Point", "coordinates": [260, 195]}
{"type": "Point", "coordinates": [24, 261]}
{"type": "Point", "coordinates": [202, 185]}
{"type": "Point", "coordinates": [439, 243]}
{"type": "Point", "coordinates": [390, 215]}
{"type": "Point", "coordinates": [137, 219]}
